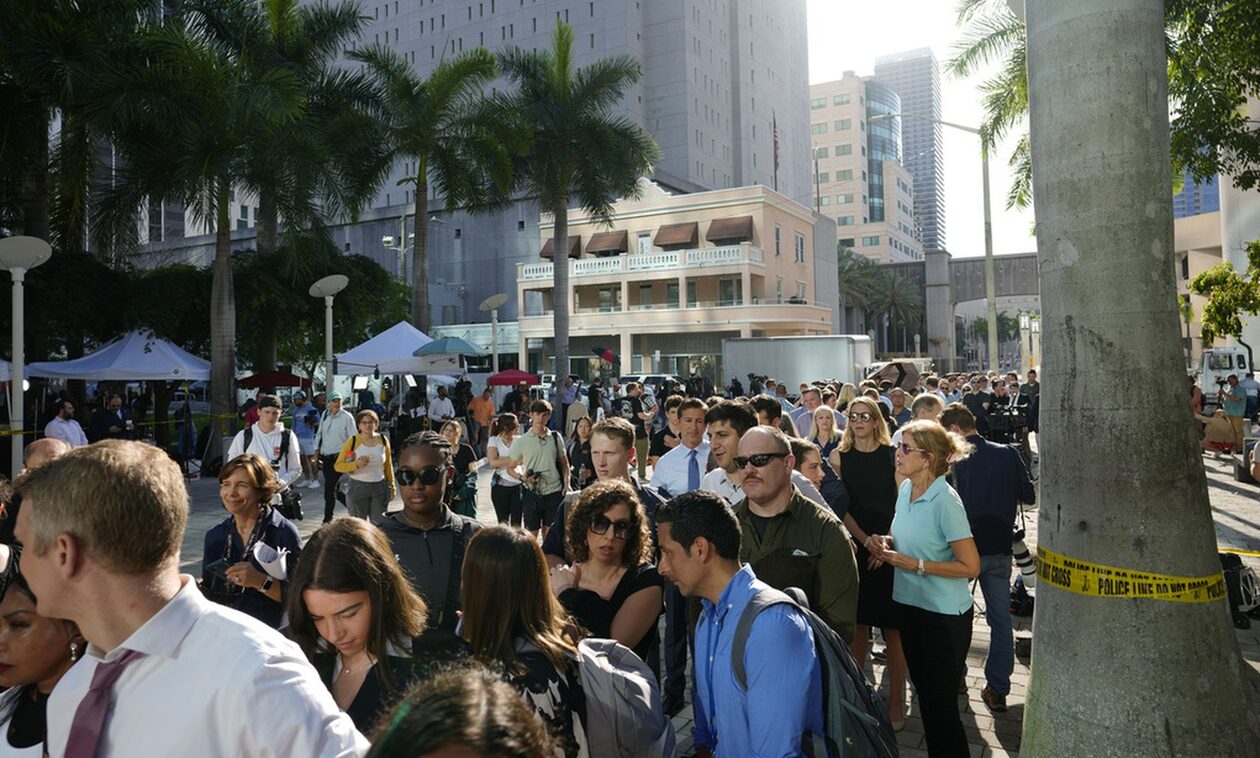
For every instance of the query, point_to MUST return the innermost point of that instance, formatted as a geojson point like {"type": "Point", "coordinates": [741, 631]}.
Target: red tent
{"type": "Point", "coordinates": [273, 379]}
{"type": "Point", "coordinates": [511, 377]}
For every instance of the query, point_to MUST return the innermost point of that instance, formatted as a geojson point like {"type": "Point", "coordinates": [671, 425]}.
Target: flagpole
{"type": "Point", "coordinates": [775, 121]}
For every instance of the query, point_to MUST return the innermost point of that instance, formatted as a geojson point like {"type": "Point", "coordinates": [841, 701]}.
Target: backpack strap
{"type": "Point", "coordinates": [248, 439]}
{"type": "Point", "coordinates": [556, 438]}
{"type": "Point", "coordinates": [284, 445]}
{"type": "Point", "coordinates": [457, 563]}
{"type": "Point", "coordinates": [764, 599]}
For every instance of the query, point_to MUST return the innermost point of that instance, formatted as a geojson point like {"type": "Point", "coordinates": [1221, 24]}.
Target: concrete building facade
{"type": "Point", "coordinates": [860, 181]}
{"type": "Point", "coordinates": [916, 79]}
{"type": "Point", "coordinates": [674, 275]}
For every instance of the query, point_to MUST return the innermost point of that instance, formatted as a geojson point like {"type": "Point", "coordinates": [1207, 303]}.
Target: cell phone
{"type": "Point", "coordinates": [219, 568]}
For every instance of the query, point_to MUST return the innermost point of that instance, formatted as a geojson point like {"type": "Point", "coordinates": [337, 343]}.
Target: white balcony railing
{"type": "Point", "coordinates": [703, 257]}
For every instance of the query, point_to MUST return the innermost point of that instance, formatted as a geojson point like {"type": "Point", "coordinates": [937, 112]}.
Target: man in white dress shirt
{"type": "Point", "coordinates": [189, 677]}
{"type": "Point", "coordinates": [441, 410]}
{"type": "Point", "coordinates": [681, 469]}
{"type": "Point", "coordinates": [267, 439]}
{"type": "Point", "coordinates": [63, 426]}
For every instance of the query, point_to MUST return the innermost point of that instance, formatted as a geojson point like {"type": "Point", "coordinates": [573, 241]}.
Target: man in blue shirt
{"type": "Point", "coordinates": [1233, 399]}
{"type": "Point", "coordinates": [700, 543]}
{"type": "Point", "coordinates": [992, 483]}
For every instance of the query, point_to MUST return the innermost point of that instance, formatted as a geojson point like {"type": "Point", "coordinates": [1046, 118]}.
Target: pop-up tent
{"type": "Point", "coordinates": [135, 357]}
{"type": "Point", "coordinates": [393, 352]}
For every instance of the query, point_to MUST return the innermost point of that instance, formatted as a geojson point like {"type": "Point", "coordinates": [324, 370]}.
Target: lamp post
{"type": "Point", "coordinates": [327, 288]}
{"type": "Point", "coordinates": [990, 288]}
{"type": "Point", "coordinates": [19, 255]}
{"type": "Point", "coordinates": [493, 304]}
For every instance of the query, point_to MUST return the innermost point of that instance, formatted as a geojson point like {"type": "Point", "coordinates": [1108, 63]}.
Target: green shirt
{"type": "Point", "coordinates": [805, 546]}
{"type": "Point", "coordinates": [540, 454]}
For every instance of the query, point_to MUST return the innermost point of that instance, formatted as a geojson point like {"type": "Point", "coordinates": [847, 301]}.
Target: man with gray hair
{"type": "Point", "coordinates": [113, 569]}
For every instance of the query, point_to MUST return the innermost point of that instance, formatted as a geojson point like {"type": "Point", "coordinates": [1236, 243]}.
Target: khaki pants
{"type": "Point", "coordinates": [641, 455]}
{"type": "Point", "coordinates": [1236, 423]}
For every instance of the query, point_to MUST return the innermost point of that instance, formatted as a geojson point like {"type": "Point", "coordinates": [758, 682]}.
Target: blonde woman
{"type": "Point", "coordinates": [823, 431]}
{"type": "Point", "coordinates": [865, 461]}
{"type": "Point", "coordinates": [846, 395]}
{"type": "Point", "coordinates": [366, 458]}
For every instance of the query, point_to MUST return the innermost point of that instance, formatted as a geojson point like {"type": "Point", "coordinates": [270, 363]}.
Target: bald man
{"type": "Point", "coordinates": [42, 451]}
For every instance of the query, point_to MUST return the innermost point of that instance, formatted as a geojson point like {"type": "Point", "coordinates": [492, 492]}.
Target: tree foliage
{"type": "Point", "coordinates": [1230, 295]}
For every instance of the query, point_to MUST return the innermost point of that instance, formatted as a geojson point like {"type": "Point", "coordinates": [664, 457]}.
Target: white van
{"type": "Point", "coordinates": [1215, 367]}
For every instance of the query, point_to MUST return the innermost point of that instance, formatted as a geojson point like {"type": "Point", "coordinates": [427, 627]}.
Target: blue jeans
{"type": "Point", "coordinates": [995, 584]}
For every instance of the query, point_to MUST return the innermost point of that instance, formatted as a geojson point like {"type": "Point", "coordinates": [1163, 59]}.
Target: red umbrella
{"type": "Point", "coordinates": [606, 354]}
{"type": "Point", "coordinates": [273, 379]}
{"type": "Point", "coordinates": [511, 377]}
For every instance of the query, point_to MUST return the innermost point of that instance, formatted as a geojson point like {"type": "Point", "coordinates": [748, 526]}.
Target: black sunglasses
{"type": "Point", "coordinates": [621, 529]}
{"type": "Point", "coordinates": [758, 460]}
{"type": "Point", "coordinates": [428, 476]}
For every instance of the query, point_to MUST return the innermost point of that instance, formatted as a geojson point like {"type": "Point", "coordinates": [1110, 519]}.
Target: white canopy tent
{"type": "Point", "coordinates": [135, 357]}
{"type": "Point", "coordinates": [391, 352]}
{"type": "Point", "coordinates": [6, 371]}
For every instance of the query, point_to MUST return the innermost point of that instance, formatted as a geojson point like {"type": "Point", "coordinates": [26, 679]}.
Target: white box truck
{"type": "Point", "coordinates": [794, 360]}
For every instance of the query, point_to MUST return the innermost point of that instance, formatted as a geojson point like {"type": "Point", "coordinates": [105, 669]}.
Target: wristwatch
{"type": "Point", "coordinates": [266, 585]}
{"type": "Point", "coordinates": [920, 570]}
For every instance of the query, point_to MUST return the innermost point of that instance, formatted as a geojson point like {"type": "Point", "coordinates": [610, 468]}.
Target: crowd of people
{"type": "Point", "coordinates": [409, 632]}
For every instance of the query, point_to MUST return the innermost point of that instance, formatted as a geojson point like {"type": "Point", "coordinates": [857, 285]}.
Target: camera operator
{"type": "Point", "coordinates": [992, 483]}
{"type": "Point", "coordinates": [1008, 422]}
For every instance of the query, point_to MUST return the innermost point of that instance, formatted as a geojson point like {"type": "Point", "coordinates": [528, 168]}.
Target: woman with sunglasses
{"type": "Point", "coordinates": [366, 459]}
{"type": "Point", "coordinates": [505, 491]}
{"type": "Point", "coordinates": [34, 653]}
{"type": "Point", "coordinates": [932, 551]}
{"type": "Point", "coordinates": [231, 572]}
{"type": "Point", "coordinates": [612, 589]}
{"type": "Point", "coordinates": [353, 612]}
{"type": "Point", "coordinates": [514, 624]}
{"type": "Point", "coordinates": [865, 461]}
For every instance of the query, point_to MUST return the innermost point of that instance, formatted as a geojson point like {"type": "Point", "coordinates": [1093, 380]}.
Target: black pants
{"type": "Point", "coordinates": [507, 503]}
{"type": "Point", "coordinates": [675, 650]}
{"type": "Point", "coordinates": [331, 477]}
{"type": "Point", "coordinates": [936, 654]}
{"type": "Point", "coordinates": [540, 510]}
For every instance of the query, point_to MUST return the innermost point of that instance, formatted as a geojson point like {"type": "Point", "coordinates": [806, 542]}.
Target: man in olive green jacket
{"type": "Point", "coordinates": [789, 540]}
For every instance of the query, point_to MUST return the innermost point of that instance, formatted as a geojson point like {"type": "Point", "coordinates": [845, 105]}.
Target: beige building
{"type": "Point", "coordinates": [1197, 243]}
{"type": "Point", "coordinates": [860, 180]}
{"type": "Point", "coordinates": [675, 275]}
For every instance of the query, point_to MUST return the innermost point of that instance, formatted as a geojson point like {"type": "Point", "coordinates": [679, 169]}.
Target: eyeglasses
{"type": "Point", "coordinates": [758, 461]}
{"type": "Point", "coordinates": [861, 416]}
{"type": "Point", "coordinates": [427, 476]}
{"type": "Point", "coordinates": [621, 528]}
{"type": "Point", "coordinates": [907, 450]}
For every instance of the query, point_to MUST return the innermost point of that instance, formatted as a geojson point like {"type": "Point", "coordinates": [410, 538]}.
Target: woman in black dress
{"type": "Point", "coordinates": [865, 461]}
{"type": "Point", "coordinates": [612, 589]}
{"type": "Point", "coordinates": [354, 614]}
{"type": "Point", "coordinates": [581, 469]}
{"type": "Point", "coordinates": [514, 624]}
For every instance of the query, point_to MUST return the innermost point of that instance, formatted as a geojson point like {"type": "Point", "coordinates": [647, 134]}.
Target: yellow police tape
{"type": "Point", "coordinates": [1096, 580]}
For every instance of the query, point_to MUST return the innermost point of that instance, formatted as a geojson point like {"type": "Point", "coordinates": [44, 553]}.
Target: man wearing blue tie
{"type": "Point", "coordinates": [681, 469]}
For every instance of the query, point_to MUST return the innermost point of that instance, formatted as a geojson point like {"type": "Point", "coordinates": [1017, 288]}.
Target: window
{"type": "Point", "coordinates": [520, 225]}
{"type": "Point", "coordinates": [645, 296]}
{"type": "Point", "coordinates": [824, 200]}
{"type": "Point", "coordinates": [846, 242]}
{"type": "Point", "coordinates": [824, 177]}
{"type": "Point", "coordinates": [671, 295]}
{"type": "Point", "coordinates": [800, 290]}
{"type": "Point", "coordinates": [840, 100]}
{"type": "Point", "coordinates": [817, 128]}
{"type": "Point", "coordinates": [818, 102]}
{"type": "Point", "coordinates": [778, 289]}
{"type": "Point", "coordinates": [692, 298]}
{"type": "Point", "coordinates": [845, 175]}
{"type": "Point", "coordinates": [844, 197]}
{"type": "Point", "coordinates": [730, 292]}
{"type": "Point", "coordinates": [872, 241]}
{"type": "Point", "coordinates": [450, 314]}
{"type": "Point", "coordinates": [778, 241]}
{"type": "Point", "coordinates": [844, 124]}
{"type": "Point", "coordinates": [845, 221]}
{"type": "Point", "coordinates": [844, 149]}
{"type": "Point", "coordinates": [644, 242]}
{"type": "Point", "coordinates": [459, 233]}
{"type": "Point", "coordinates": [800, 247]}
{"type": "Point", "coordinates": [821, 152]}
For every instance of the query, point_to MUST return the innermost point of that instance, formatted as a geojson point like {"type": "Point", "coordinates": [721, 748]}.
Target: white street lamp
{"type": "Point", "coordinates": [327, 288]}
{"type": "Point", "coordinates": [493, 304]}
{"type": "Point", "coordinates": [19, 255]}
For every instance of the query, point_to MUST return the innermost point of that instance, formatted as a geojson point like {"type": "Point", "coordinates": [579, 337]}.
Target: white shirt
{"type": "Point", "coordinates": [67, 430]}
{"type": "Point", "coordinates": [334, 430]}
{"type": "Point", "coordinates": [212, 682]}
{"type": "Point", "coordinates": [719, 483]}
{"type": "Point", "coordinates": [267, 445]}
{"type": "Point", "coordinates": [670, 472]}
{"type": "Point", "coordinates": [441, 408]}
{"type": "Point", "coordinates": [504, 450]}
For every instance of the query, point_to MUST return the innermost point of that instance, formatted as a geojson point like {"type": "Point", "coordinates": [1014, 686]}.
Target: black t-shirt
{"type": "Point", "coordinates": [760, 523]}
{"type": "Point", "coordinates": [658, 447]}
{"type": "Point", "coordinates": [631, 407]}
{"type": "Point", "coordinates": [596, 614]}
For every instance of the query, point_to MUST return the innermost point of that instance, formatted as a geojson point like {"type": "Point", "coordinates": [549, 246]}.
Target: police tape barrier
{"type": "Point", "coordinates": [1096, 580]}
{"type": "Point", "coordinates": [170, 421]}
{"type": "Point", "coordinates": [1239, 551]}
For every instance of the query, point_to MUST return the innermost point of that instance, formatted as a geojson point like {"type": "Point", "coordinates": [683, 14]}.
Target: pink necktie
{"type": "Point", "coordinates": [89, 720]}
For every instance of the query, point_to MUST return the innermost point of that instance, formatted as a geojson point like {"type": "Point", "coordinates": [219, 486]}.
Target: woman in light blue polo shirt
{"type": "Point", "coordinates": [934, 557]}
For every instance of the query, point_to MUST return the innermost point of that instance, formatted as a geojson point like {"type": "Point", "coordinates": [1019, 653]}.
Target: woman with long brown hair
{"type": "Point", "coordinates": [354, 614]}
{"type": "Point", "coordinates": [505, 491]}
{"type": "Point", "coordinates": [513, 622]}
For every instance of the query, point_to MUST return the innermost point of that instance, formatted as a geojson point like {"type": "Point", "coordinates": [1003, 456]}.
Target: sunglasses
{"type": "Point", "coordinates": [758, 461]}
{"type": "Point", "coordinates": [861, 416]}
{"type": "Point", "coordinates": [427, 476]}
{"type": "Point", "coordinates": [601, 524]}
{"type": "Point", "coordinates": [907, 450]}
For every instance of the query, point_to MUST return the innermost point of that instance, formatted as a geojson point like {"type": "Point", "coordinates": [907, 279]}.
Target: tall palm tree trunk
{"type": "Point", "coordinates": [222, 329]}
{"type": "Point", "coordinates": [560, 295]}
{"type": "Point", "coordinates": [1114, 673]}
{"type": "Point", "coordinates": [421, 309]}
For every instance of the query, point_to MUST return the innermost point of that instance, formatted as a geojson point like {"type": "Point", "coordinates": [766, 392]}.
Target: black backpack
{"type": "Point", "coordinates": [855, 719]}
{"type": "Point", "coordinates": [290, 499]}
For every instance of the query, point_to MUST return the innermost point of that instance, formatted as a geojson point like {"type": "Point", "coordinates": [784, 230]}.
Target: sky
{"type": "Point", "coordinates": [847, 35]}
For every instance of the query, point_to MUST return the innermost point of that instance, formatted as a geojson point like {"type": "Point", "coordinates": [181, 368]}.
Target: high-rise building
{"type": "Point", "coordinates": [1197, 197]}
{"type": "Point", "coordinates": [860, 181]}
{"type": "Point", "coordinates": [913, 75]}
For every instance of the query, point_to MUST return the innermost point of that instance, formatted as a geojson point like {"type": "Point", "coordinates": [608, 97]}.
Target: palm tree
{"type": "Point", "coordinates": [897, 298]}
{"type": "Point", "coordinates": [581, 152]}
{"type": "Point", "coordinates": [857, 276]}
{"type": "Point", "coordinates": [450, 132]}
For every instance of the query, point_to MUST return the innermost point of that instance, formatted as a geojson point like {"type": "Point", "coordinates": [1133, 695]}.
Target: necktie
{"type": "Point", "coordinates": [693, 472]}
{"type": "Point", "coordinates": [89, 720]}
